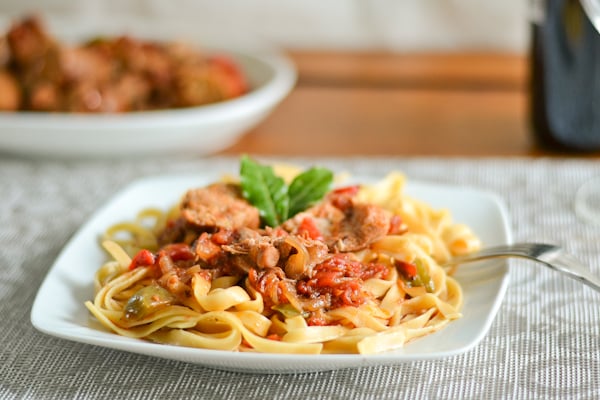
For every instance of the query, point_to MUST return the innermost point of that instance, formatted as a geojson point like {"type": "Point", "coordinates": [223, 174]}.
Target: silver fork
{"type": "Point", "coordinates": [553, 257]}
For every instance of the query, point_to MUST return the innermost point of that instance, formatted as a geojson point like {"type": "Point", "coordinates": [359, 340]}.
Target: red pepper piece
{"type": "Point", "coordinates": [143, 258]}
{"type": "Point", "coordinates": [349, 190]}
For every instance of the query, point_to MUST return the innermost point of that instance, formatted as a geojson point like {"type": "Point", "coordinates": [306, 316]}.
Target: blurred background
{"type": "Point", "coordinates": [399, 77]}
{"type": "Point", "coordinates": [406, 25]}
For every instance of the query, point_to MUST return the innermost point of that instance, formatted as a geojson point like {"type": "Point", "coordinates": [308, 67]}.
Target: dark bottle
{"type": "Point", "coordinates": [565, 77]}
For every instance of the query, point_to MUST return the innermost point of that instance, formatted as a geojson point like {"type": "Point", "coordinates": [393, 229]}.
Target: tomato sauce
{"type": "Point", "coordinates": [341, 278]}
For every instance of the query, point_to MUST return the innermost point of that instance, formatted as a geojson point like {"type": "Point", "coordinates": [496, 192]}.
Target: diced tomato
{"type": "Point", "coordinates": [350, 293]}
{"type": "Point", "coordinates": [342, 277]}
{"type": "Point", "coordinates": [270, 284]}
{"type": "Point", "coordinates": [408, 270]}
{"type": "Point", "coordinates": [309, 227]}
{"type": "Point", "coordinates": [328, 278]}
{"type": "Point", "coordinates": [176, 252]}
{"type": "Point", "coordinates": [351, 190]}
{"type": "Point", "coordinates": [274, 336]}
{"type": "Point", "coordinates": [143, 258]}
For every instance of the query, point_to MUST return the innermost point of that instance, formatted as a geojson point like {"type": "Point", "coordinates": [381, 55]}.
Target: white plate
{"type": "Point", "coordinates": [192, 131]}
{"type": "Point", "coordinates": [58, 309]}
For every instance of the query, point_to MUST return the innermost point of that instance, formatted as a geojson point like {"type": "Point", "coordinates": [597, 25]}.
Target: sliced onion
{"type": "Point", "coordinates": [297, 264]}
{"type": "Point", "coordinates": [289, 291]}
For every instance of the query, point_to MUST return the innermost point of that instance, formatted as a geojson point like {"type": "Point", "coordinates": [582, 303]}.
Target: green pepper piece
{"type": "Point", "coordinates": [288, 311]}
{"type": "Point", "coordinates": [146, 301]}
{"type": "Point", "coordinates": [423, 278]}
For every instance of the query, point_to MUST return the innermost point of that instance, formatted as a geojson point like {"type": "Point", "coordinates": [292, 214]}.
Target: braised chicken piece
{"type": "Point", "coordinates": [362, 225]}
{"type": "Point", "coordinates": [296, 255]}
{"type": "Point", "coordinates": [215, 208]}
{"type": "Point", "coordinates": [219, 205]}
{"type": "Point", "coordinates": [345, 225]}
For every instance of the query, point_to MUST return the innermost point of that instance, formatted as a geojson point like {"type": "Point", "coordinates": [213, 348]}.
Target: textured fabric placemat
{"type": "Point", "coordinates": [544, 342]}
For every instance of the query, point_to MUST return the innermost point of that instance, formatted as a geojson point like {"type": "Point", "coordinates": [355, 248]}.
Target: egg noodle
{"type": "Point", "coordinates": [227, 313]}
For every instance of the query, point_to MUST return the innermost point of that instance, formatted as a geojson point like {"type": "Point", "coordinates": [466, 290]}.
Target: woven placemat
{"type": "Point", "coordinates": [544, 342]}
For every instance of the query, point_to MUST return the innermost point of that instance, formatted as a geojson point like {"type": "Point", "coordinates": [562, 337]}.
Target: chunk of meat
{"type": "Point", "coordinates": [219, 206]}
{"type": "Point", "coordinates": [323, 217]}
{"type": "Point", "coordinates": [363, 225]}
{"type": "Point", "coordinates": [249, 249]}
{"type": "Point", "coordinates": [343, 224]}
{"type": "Point", "coordinates": [175, 231]}
{"type": "Point", "coordinates": [246, 249]}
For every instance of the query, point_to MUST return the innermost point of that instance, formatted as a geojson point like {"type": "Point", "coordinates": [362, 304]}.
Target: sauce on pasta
{"type": "Point", "coordinates": [357, 272]}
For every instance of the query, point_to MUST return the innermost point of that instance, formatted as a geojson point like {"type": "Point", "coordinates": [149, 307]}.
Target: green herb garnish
{"type": "Point", "coordinates": [265, 190]}
{"type": "Point", "coordinates": [308, 188]}
{"type": "Point", "coordinates": [276, 201]}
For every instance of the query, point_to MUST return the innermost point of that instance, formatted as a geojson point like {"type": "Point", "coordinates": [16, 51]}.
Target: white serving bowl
{"type": "Point", "coordinates": [191, 131]}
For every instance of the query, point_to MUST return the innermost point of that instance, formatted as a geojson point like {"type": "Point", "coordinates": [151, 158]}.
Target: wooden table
{"type": "Point", "coordinates": [347, 104]}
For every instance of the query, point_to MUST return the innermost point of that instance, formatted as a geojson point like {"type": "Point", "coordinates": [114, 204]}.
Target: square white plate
{"type": "Point", "coordinates": [59, 308]}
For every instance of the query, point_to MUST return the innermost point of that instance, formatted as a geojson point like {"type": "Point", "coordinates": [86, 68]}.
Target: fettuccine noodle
{"type": "Point", "coordinates": [409, 296]}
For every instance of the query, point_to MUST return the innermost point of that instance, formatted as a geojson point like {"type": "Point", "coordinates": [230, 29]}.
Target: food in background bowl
{"type": "Point", "coordinates": [268, 76]}
{"type": "Point", "coordinates": [109, 74]}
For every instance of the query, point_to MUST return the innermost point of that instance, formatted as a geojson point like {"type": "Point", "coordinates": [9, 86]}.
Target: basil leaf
{"type": "Point", "coordinates": [265, 190]}
{"type": "Point", "coordinates": [274, 200]}
{"type": "Point", "coordinates": [308, 188]}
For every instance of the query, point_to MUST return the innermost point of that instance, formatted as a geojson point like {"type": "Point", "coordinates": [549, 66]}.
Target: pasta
{"type": "Point", "coordinates": [308, 286]}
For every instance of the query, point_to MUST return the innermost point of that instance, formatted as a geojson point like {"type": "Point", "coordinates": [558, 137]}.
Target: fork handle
{"type": "Point", "coordinates": [551, 256]}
